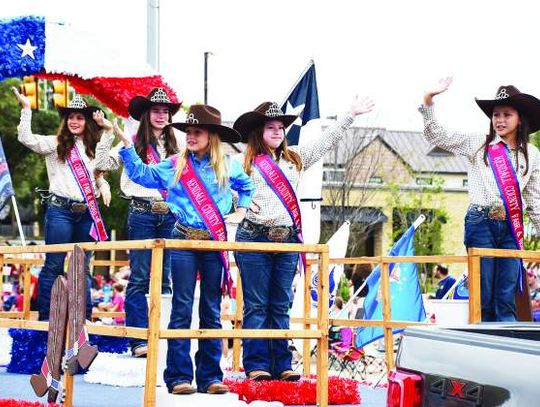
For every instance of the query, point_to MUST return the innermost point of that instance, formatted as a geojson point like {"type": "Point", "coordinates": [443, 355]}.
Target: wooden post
{"type": "Point", "coordinates": [387, 314]}
{"type": "Point", "coordinates": [475, 303]}
{"type": "Point", "coordinates": [322, 324]}
{"type": "Point", "coordinates": [154, 314]}
{"type": "Point", "coordinates": [68, 379]}
{"type": "Point", "coordinates": [1, 276]}
{"type": "Point", "coordinates": [237, 342]}
{"type": "Point", "coordinates": [113, 253]}
{"type": "Point", "coordinates": [27, 294]}
{"type": "Point", "coordinates": [306, 353]}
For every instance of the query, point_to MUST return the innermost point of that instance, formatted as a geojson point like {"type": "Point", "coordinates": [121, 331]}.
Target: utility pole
{"type": "Point", "coordinates": [152, 33]}
{"type": "Point", "coordinates": [206, 77]}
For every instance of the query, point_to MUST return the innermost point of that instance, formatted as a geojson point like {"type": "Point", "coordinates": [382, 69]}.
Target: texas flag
{"type": "Point", "coordinates": [31, 45]}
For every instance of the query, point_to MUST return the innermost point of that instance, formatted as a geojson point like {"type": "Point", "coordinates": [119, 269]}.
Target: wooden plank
{"type": "Point", "coordinates": [233, 333]}
{"type": "Point", "coordinates": [68, 380]}
{"type": "Point", "coordinates": [26, 290]}
{"type": "Point", "coordinates": [387, 315]}
{"type": "Point", "coordinates": [475, 306]}
{"type": "Point", "coordinates": [211, 245]}
{"type": "Point", "coordinates": [2, 275]}
{"type": "Point", "coordinates": [237, 342]}
{"type": "Point", "coordinates": [154, 316]}
{"type": "Point", "coordinates": [424, 259]}
{"type": "Point", "coordinates": [322, 342]}
{"type": "Point", "coordinates": [306, 348]}
{"type": "Point", "coordinates": [117, 331]}
{"type": "Point", "coordinates": [22, 324]}
{"type": "Point", "coordinates": [514, 254]}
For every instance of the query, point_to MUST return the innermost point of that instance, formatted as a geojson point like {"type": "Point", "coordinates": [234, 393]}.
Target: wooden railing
{"type": "Point", "coordinates": [313, 328]}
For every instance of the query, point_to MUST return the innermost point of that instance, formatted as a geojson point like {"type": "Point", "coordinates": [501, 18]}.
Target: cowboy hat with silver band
{"type": "Point", "coordinates": [510, 96]}
{"type": "Point", "coordinates": [266, 111]}
{"type": "Point", "coordinates": [157, 96]}
{"type": "Point", "coordinates": [78, 105]}
{"type": "Point", "coordinates": [208, 118]}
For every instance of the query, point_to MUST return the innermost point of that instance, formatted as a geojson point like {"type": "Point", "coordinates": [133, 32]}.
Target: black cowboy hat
{"type": "Point", "coordinates": [208, 118]}
{"type": "Point", "coordinates": [157, 96]}
{"type": "Point", "coordinates": [266, 111]}
{"type": "Point", "coordinates": [78, 105]}
{"type": "Point", "coordinates": [510, 96]}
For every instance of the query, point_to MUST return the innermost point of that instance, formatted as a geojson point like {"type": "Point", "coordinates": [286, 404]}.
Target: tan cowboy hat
{"type": "Point", "coordinates": [157, 96]}
{"type": "Point", "coordinates": [510, 96]}
{"type": "Point", "coordinates": [78, 105]}
{"type": "Point", "coordinates": [209, 118]}
{"type": "Point", "coordinates": [266, 111]}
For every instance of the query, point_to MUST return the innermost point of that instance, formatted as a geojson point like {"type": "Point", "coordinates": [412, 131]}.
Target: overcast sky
{"type": "Point", "coordinates": [390, 50]}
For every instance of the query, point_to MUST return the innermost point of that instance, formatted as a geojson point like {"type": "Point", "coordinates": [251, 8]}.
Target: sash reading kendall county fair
{"type": "Point", "coordinates": [209, 212]}
{"type": "Point", "coordinates": [510, 193]}
{"type": "Point", "coordinates": [80, 172]}
{"type": "Point", "coordinates": [152, 158]}
{"type": "Point", "coordinates": [281, 186]}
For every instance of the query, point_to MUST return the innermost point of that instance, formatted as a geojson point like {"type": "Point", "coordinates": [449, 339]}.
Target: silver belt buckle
{"type": "Point", "coordinates": [497, 213]}
{"type": "Point", "coordinates": [197, 234]}
{"type": "Point", "coordinates": [159, 207]}
{"type": "Point", "coordinates": [278, 233]}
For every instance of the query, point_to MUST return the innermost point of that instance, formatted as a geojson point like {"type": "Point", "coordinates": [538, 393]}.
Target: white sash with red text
{"type": "Point", "coordinates": [84, 181]}
{"type": "Point", "coordinates": [209, 212]}
{"type": "Point", "coordinates": [508, 184]}
{"type": "Point", "coordinates": [281, 186]}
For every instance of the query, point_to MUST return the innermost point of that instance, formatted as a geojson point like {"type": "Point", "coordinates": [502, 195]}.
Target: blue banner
{"type": "Point", "coordinates": [405, 294]}
{"type": "Point", "coordinates": [6, 186]}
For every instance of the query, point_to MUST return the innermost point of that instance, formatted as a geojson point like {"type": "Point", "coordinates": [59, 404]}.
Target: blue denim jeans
{"type": "Point", "coordinates": [62, 226]}
{"type": "Point", "coordinates": [267, 288]}
{"type": "Point", "coordinates": [142, 224]}
{"type": "Point", "coordinates": [499, 276]}
{"type": "Point", "coordinates": [184, 267]}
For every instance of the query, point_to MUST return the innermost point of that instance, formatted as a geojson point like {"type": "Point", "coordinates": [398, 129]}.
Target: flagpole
{"type": "Point", "coordinates": [416, 224]}
{"type": "Point", "coordinates": [311, 62]}
{"type": "Point", "coordinates": [454, 286]}
{"type": "Point", "coordinates": [16, 209]}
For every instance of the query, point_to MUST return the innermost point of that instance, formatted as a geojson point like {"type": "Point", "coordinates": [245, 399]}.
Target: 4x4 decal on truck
{"type": "Point", "coordinates": [460, 389]}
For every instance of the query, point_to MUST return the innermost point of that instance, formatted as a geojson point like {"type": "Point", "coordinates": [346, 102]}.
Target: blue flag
{"type": "Point", "coordinates": [22, 46]}
{"type": "Point", "coordinates": [6, 186]}
{"type": "Point", "coordinates": [303, 102]}
{"type": "Point", "coordinates": [405, 293]}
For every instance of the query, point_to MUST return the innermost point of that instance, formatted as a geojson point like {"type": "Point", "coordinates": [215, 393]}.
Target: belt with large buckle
{"type": "Point", "coordinates": [274, 233]}
{"type": "Point", "coordinates": [192, 233]}
{"type": "Point", "coordinates": [73, 206]}
{"type": "Point", "coordinates": [497, 213]}
{"type": "Point", "coordinates": [155, 207]}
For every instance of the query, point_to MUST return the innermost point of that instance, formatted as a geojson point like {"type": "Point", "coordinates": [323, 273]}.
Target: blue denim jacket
{"type": "Point", "coordinates": [162, 176]}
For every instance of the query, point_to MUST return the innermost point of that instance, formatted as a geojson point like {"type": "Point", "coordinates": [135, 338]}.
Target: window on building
{"type": "Point", "coordinates": [424, 181]}
{"type": "Point", "coordinates": [375, 180]}
{"type": "Point", "coordinates": [333, 175]}
{"type": "Point", "coordinates": [465, 183]}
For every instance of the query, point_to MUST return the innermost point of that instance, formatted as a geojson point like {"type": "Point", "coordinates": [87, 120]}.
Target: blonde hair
{"type": "Point", "coordinates": [217, 161]}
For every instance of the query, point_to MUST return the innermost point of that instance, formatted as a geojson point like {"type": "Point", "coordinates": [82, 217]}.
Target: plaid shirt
{"type": "Point", "coordinates": [483, 189]}
{"type": "Point", "coordinates": [62, 182]}
{"type": "Point", "coordinates": [272, 212]}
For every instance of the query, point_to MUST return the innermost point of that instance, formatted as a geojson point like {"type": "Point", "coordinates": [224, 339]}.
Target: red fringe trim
{"type": "Point", "coordinates": [340, 391]}
{"type": "Point", "coordinates": [21, 403]}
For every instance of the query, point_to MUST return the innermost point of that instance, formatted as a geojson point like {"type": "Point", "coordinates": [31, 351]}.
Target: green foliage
{"type": "Point", "coordinates": [344, 290]}
{"type": "Point", "coordinates": [407, 207]}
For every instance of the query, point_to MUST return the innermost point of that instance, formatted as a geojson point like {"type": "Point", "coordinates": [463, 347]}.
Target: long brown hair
{"type": "Point", "coordinates": [66, 140]}
{"type": "Point", "coordinates": [256, 146]}
{"type": "Point", "coordinates": [522, 139]}
{"type": "Point", "coordinates": [145, 136]}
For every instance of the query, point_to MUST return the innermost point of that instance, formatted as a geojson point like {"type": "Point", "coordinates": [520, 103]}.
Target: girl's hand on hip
{"type": "Point", "coordinates": [236, 217]}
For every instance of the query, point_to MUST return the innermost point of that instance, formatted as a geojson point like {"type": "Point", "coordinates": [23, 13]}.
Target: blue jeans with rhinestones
{"type": "Point", "coordinates": [267, 289]}
{"type": "Point", "coordinates": [499, 276]}
{"type": "Point", "coordinates": [62, 226]}
{"type": "Point", "coordinates": [184, 267]}
{"type": "Point", "coordinates": [143, 224]}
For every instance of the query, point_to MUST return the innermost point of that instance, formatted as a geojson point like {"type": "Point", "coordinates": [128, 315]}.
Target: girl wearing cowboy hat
{"type": "Point", "coordinates": [198, 183]}
{"type": "Point", "coordinates": [149, 216]}
{"type": "Point", "coordinates": [504, 178]}
{"type": "Point", "coordinates": [68, 218]}
{"type": "Point", "coordinates": [274, 216]}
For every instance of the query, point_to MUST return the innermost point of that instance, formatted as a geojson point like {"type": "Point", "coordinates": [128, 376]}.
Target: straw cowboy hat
{"type": "Point", "coordinates": [510, 96]}
{"type": "Point", "coordinates": [266, 111]}
{"type": "Point", "coordinates": [77, 105]}
{"type": "Point", "coordinates": [157, 96]}
{"type": "Point", "coordinates": [208, 118]}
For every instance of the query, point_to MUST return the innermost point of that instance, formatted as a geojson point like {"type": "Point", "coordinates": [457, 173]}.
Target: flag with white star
{"type": "Point", "coordinates": [405, 293]}
{"type": "Point", "coordinates": [22, 47]}
{"type": "Point", "coordinates": [303, 101]}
